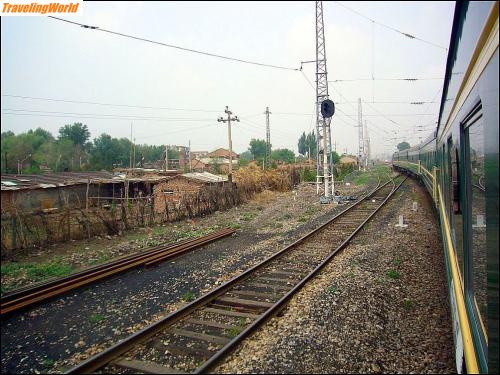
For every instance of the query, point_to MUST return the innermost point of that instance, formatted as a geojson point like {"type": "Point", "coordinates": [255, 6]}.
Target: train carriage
{"type": "Point", "coordinates": [459, 165]}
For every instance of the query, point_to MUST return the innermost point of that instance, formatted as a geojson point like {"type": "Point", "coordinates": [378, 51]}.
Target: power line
{"type": "Point", "coordinates": [415, 102]}
{"type": "Point", "coordinates": [308, 81]}
{"type": "Point", "coordinates": [386, 79]}
{"type": "Point", "coordinates": [108, 116]}
{"type": "Point", "coordinates": [258, 127]}
{"type": "Point", "coordinates": [177, 131]}
{"type": "Point", "coordinates": [396, 114]}
{"type": "Point", "coordinates": [173, 46]}
{"type": "Point", "coordinates": [410, 36]}
{"type": "Point", "coordinates": [107, 104]}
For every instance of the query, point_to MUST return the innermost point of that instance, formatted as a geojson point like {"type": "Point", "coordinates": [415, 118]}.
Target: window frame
{"type": "Point", "coordinates": [475, 115]}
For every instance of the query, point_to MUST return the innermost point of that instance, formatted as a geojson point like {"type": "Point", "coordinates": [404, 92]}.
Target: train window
{"type": "Point", "coordinates": [454, 215]}
{"type": "Point", "coordinates": [473, 134]}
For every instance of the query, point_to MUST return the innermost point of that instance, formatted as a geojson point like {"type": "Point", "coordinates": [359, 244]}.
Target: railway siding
{"type": "Point", "coordinates": [379, 306]}
{"type": "Point", "coordinates": [62, 334]}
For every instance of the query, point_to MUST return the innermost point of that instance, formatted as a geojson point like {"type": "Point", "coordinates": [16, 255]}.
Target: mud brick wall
{"type": "Point", "coordinates": [173, 191]}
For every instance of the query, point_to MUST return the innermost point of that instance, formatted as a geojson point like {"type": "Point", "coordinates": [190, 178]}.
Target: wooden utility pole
{"type": "Point", "coordinates": [133, 162]}
{"type": "Point", "coordinates": [166, 158]}
{"type": "Point", "coordinates": [130, 164]}
{"type": "Point", "coordinates": [189, 153]}
{"type": "Point", "coordinates": [228, 120]}
{"type": "Point", "coordinates": [268, 139]}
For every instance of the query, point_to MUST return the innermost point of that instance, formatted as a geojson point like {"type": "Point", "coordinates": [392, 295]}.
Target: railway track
{"type": "Point", "coordinates": [196, 337]}
{"type": "Point", "coordinates": [25, 297]}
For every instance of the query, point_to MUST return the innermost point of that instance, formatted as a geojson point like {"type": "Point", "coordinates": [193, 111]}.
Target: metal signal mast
{"type": "Point", "coordinates": [324, 165]}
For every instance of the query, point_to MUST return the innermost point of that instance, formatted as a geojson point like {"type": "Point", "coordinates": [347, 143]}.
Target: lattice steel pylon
{"type": "Point", "coordinates": [361, 142]}
{"type": "Point", "coordinates": [324, 165]}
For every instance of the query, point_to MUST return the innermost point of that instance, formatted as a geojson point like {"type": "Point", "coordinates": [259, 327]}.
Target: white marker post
{"type": "Point", "coordinates": [479, 222]}
{"type": "Point", "coordinates": [401, 222]}
{"type": "Point", "coordinates": [415, 206]}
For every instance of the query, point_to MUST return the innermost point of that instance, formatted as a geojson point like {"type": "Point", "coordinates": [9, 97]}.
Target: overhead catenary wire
{"type": "Point", "coordinates": [107, 104]}
{"type": "Point", "coordinates": [408, 35]}
{"type": "Point", "coordinates": [97, 28]}
{"type": "Point", "coordinates": [408, 79]}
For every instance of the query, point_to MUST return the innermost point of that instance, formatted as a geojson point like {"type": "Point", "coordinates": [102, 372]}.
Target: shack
{"type": "Point", "coordinates": [51, 192]}
{"type": "Point", "coordinates": [184, 186]}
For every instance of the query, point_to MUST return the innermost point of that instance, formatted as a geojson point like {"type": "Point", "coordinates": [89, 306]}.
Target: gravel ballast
{"type": "Point", "coordinates": [380, 306]}
{"type": "Point", "coordinates": [59, 334]}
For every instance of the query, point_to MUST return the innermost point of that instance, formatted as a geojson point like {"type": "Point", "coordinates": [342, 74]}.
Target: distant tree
{"type": "Point", "coordinates": [311, 144]}
{"type": "Point", "coordinates": [246, 155]}
{"type": "Point", "coordinates": [403, 146]}
{"type": "Point", "coordinates": [43, 134]}
{"type": "Point", "coordinates": [302, 144]}
{"type": "Point", "coordinates": [284, 155]}
{"type": "Point", "coordinates": [105, 152]}
{"type": "Point", "coordinates": [22, 147]}
{"type": "Point", "coordinates": [258, 148]}
{"type": "Point", "coordinates": [335, 157]}
{"type": "Point", "coordinates": [77, 133]}
{"type": "Point", "coordinates": [245, 158]}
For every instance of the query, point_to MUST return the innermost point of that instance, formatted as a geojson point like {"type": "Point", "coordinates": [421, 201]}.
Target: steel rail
{"type": "Point", "coordinates": [38, 294]}
{"type": "Point", "coordinates": [108, 355]}
{"type": "Point", "coordinates": [278, 306]}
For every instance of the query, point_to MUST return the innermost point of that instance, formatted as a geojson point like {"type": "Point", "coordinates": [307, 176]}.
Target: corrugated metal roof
{"type": "Point", "coordinates": [205, 177]}
{"type": "Point", "coordinates": [52, 180]}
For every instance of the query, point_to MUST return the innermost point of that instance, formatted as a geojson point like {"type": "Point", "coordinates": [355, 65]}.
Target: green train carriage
{"type": "Point", "coordinates": [459, 165]}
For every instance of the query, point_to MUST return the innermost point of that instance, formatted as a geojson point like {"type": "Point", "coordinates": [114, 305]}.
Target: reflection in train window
{"type": "Point", "coordinates": [474, 138]}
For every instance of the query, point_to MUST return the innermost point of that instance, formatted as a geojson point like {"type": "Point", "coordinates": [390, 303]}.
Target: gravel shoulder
{"type": "Point", "coordinates": [60, 333]}
{"type": "Point", "coordinates": [380, 306]}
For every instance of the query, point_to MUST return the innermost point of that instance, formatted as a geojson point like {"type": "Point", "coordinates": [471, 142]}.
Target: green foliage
{"type": "Point", "coordinates": [246, 156]}
{"type": "Point", "coordinates": [247, 216]}
{"type": "Point", "coordinates": [302, 144]}
{"type": "Point", "coordinates": [47, 362]}
{"type": "Point", "coordinates": [403, 146]}
{"type": "Point", "coordinates": [38, 272]}
{"type": "Point", "coordinates": [307, 175]}
{"type": "Point", "coordinates": [188, 296]}
{"type": "Point", "coordinates": [77, 133]}
{"type": "Point", "coordinates": [407, 303]}
{"type": "Point", "coordinates": [284, 155]}
{"type": "Point", "coordinates": [96, 318]}
{"type": "Point", "coordinates": [335, 157]}
{"type": "Point", "coordinates": [311, 144]}
{"type": "Point", "coordinates": [71, 151]}
{"type": "Point", "coordinates": [258, 148]}
{"type": "Point", "coordinates": [396, 261]}
{"type": "Point", "coordinates": [362, 178]}
{"type": "Point", "coordinates": [345, 169]}
{"type": "Point", "coordinates": [233, 332]}
{"type": "Point", "coordinates": [393, 274]}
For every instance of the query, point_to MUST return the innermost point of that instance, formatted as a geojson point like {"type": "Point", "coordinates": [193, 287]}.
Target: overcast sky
{"type": "Point", "coordinates": [45, 58]}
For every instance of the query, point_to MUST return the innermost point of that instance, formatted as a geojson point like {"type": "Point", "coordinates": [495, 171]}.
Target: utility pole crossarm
{"type": "Point", "coordinates": [228, 120]}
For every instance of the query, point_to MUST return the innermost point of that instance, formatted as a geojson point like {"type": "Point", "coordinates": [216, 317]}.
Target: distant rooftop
{"type": "Point", "coordinates": [205, 177]}
{"type": "Point", "coordinates": [53, 180]}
